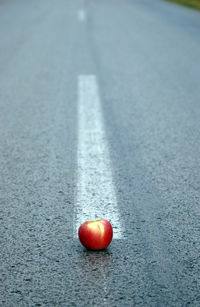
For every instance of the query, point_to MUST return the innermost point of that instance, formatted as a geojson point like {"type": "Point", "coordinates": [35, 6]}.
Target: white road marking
{"type": "Point", "coordinates": [81, 15]}
{"type": "Point", "coordinates": [96, 196]}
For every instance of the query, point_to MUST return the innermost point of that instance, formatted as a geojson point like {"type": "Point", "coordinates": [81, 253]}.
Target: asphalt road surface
{"type": "Point", "coordinates": [99, 117]}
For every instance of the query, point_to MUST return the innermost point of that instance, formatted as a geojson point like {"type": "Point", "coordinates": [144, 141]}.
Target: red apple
{"type": "Point", "coordinates": [96, 235]}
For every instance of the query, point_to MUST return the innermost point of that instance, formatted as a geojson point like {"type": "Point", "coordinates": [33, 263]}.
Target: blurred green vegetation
{"type": "Point", "coordinates": [195, 4]}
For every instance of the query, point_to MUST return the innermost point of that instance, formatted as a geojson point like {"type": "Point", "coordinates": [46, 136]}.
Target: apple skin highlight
{"type": "Point", "coordinates": [95, 235]}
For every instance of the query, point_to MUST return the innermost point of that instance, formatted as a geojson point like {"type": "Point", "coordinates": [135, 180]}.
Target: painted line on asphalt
{"type": "Point", "coordinates": [81, 15]}
{"type": "Point", "coordinates": [96, 197]}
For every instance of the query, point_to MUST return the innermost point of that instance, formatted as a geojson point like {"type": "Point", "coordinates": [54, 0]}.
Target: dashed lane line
{"type": "Point", "coordinates": [96, 197]}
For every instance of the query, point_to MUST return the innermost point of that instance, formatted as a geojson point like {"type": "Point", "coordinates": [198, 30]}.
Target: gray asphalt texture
{"type": "Point", "coordinates": [145, 54]}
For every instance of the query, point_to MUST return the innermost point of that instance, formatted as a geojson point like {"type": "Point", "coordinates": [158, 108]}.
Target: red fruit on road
{"type": "Point", "coordinates": [96, 235]}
